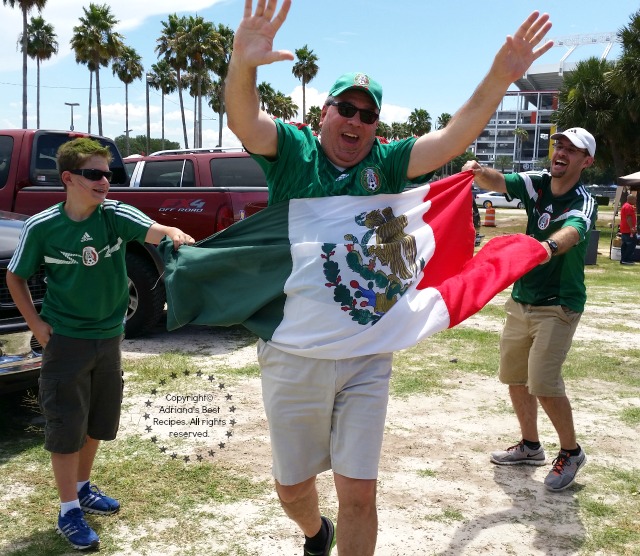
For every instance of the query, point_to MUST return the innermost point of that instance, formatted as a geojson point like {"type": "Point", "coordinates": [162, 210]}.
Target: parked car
{"type": "Point", "coordinates": [497, 200]}
{"type": "Point", "coordinates": [20, 352]}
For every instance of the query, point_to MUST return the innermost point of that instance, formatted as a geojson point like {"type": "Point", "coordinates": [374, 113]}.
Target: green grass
{"type": "Point", "coordinates": [168, 502]}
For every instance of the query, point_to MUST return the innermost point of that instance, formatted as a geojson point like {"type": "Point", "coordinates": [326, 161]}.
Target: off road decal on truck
{"type": "Point", "coordinates": [182, 205]}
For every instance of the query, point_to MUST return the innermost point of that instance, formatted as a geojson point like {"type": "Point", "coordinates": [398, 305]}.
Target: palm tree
{"type": "Point", "coordinates": [503, 161]}
{"type": "Point", "coordinates": [216, 102]}
{"type": "Point", "coordinates": [399, 130]}
{"type": "Point", "coordinates": [221, 68]}
{"type": "Point", "coordinates": [128, 67]}
{"type": "Point", "coordinates": [284, 107]}
{"type": "Point", "coordinates": [305, 69]}
{"type": "Point", "coordinates": [441, 123]}
{"type": "Point", "coordinates": [267, 95]}
{"type": "Point", "coordinates": [587, 99]}
{"type": "Point", "coordinates": [383, 130]}
{"type": "Point", "coordinates": [96, 44]}
{"type": "Point", "coordinates": [520, 135]}
{"type": "Point", "coordinates": [202, 47]}
{"type": "Point", "coordinates": [419, 122]}
{"type": "Point", "coordinates": [624, 80]}
{"type": "Point", "coordinates": [163, 79]}
{"type": "Point", "coordinates": [25, 6]}
{"type": "Point", "coordinates": [41, 45]}
{"type": "Point", "coordinates": [198, 85]}
{"type": "Point", "coordinates": [313, 118]}
{"type": "Point", "coordinates": [443, 120]}
{"type": "Point", "coordinates": [170, 46]}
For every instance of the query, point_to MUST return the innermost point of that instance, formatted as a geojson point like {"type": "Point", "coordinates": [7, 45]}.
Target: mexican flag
{"type": "Point", "coordinates": [339, 277]}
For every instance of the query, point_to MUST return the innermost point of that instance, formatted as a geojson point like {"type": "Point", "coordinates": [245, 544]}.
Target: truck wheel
{"type": "Point", "coordinates": [146, 296]}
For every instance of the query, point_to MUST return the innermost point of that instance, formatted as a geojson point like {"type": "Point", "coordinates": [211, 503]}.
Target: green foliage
{"type": "Point", "coordinates": [138, 144]}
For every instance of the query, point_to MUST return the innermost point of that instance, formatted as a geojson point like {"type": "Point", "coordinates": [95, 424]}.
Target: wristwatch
{"type": "Point", "coordinates": [552, 245]}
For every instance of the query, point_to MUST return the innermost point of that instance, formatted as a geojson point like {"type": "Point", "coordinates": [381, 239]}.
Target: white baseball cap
{"type": "Point", "coordinates": [580, 138]}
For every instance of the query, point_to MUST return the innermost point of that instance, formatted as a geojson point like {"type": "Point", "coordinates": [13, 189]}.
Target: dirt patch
{"type": "Point", "coordinates": [438, 492]}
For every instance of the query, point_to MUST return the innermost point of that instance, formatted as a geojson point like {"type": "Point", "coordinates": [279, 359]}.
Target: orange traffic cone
{"type": "Point", "coordinates": [490, 217]}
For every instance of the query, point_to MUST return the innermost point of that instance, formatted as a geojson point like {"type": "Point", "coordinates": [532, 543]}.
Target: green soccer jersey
{"type": "Point", "coordinates": [87, 292]}
{"type": "Point", "coordinates": [561, 280]}
{"type": "Point", "coordinates": [301, 170]}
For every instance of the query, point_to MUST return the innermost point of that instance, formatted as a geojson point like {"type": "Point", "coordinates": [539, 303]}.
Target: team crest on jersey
{"type": "Point", "coordinates": [377, 274]}
{"type": "Point", "coordinates": [543, 221]}
{"type": "Point", "coordinates": [370, 180]}
{"type": "Point", "coordinates": [89, 256]}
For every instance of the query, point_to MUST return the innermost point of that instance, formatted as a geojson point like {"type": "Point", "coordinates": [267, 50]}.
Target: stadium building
{"type": "Point", "coordinates": [517, 138]}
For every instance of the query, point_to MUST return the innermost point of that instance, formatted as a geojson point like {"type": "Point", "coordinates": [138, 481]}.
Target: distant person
{"type": "Point", "coordinates": [82, 244]}
{"type": "Point", "coordinates": [628, 230]}
{"type": "Point", "coordinates": [329, 414]}
{"type": "Point", "coordinates": [546, 304]}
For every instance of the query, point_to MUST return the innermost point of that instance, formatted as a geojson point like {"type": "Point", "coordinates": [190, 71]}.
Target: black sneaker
{"type": "Point", "coordinates": [331, 540]}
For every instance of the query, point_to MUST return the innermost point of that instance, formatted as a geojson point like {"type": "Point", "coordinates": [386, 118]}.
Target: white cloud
{"type": "Point", "coordinates": [64, 15]}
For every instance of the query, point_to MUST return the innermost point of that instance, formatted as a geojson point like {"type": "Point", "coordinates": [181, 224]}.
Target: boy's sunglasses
{"type": "Point", "coordinates": [93, 174]}
{"type": "Point", "coordinates": [348, 110]}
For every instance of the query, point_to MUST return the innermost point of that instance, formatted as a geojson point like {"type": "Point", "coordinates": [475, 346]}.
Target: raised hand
{"type": "Point", "coordinates": [519, 51]}
{"type": "Point", "coordinates": [253, 41]}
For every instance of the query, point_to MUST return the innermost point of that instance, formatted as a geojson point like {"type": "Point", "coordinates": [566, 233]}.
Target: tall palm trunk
{"type": "Point", "coordinates": [98, 100]}
{"type": "Point", "coordinates": [200, 112]}
{"type": "Point", "coordinates": [304, 101]}
{"type": "Point", "coordinates": [126, 114]}
{"type": "Point", "coordinates": [25, 42]}
{"type": "Point", "coordinates": [90, 100]}
{"type": "Point", "coordinates": [37, 93]}
{"type": "Point", "coordinates": [195, 121]}
{"type": "Point", "coordinates": [184, 121]}
{"type": "Point", "coordinates": [162, 121]}
{"type": "Point", "coordinates": [221, 114]}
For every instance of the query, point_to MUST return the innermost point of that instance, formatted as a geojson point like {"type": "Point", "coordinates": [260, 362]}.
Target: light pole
{"type": "Point", "coordinates": [126, 131]}
{"type": "Point", "coordinates": [71, 105]}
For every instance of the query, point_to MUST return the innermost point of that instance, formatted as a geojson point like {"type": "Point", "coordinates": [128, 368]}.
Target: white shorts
{"type": "Point", "coordinates": [324, 414]}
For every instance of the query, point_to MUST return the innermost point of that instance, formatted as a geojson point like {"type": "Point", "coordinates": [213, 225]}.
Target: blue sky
{"type": "Point", "coordinates": [428, 55]}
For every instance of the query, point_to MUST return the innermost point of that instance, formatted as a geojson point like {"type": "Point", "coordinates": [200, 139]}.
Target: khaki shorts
{"type": "Point", "coordinates": [534, 345]}
{"type": "Point", "coordinates": [80, 391]}
{"type": "Point", "coordinates": [324, 414]}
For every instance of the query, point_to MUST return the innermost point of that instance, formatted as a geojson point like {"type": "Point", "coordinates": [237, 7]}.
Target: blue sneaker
{"type": "Point", "coordinates": [74, 528]}
{"type": "Point", "coordinates": [94, 501]}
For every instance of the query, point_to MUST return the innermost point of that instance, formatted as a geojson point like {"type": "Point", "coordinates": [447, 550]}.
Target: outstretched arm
{"type": "Point", "coordinates": [486, 178]}
{"type": "Point", "coordinates": [510, 63]}
{"type": "Point", "coordinates": [253, 47]}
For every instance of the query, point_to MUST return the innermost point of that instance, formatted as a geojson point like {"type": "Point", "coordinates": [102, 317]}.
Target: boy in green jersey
{"type": "Point", "coordinates": [82, 244]}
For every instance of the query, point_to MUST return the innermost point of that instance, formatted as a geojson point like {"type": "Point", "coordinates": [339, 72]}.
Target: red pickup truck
{"type": "Point", "coordinates": [201, 193]}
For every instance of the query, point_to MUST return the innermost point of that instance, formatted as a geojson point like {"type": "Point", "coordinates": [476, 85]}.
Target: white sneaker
{"type": "Point", "coordinates": [519, 454]}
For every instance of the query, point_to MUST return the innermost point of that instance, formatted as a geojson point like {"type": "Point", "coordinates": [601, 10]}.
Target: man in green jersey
{"type": "Point", "coordinates": [329, 414]}
{"type": "Point", "coordinates": [82, 243]}
{"type": "Point", "coordinates": [546, 303]}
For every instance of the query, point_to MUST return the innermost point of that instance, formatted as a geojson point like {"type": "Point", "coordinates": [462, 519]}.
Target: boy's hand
{"type": "Point", "coordinates": [42, 331]}
{"type": "Point", "coordinates": [179, 238]}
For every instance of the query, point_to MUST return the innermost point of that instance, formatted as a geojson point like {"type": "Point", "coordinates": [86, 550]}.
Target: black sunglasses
{"type": "Point", "coordinates": [93, 174]}
{"type": "Point", "coordinates": [348, 110]}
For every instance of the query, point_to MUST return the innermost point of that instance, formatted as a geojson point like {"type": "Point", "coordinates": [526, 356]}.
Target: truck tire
{"type": "Point", "coordinates": [146, 296]}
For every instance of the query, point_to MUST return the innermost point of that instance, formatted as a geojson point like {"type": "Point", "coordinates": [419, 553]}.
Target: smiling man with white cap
{"type": "Point", "coordinates": [580, 138]}
{"type": "Point", "coordinates": [546, 304]}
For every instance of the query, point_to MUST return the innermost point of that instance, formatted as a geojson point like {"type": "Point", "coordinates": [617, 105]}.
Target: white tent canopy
{"type": "Point", "coordinates": [631, 180]}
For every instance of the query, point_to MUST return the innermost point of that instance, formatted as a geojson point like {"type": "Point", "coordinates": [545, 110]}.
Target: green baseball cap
{"type": "Point", "coordinates": [358, 81]}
